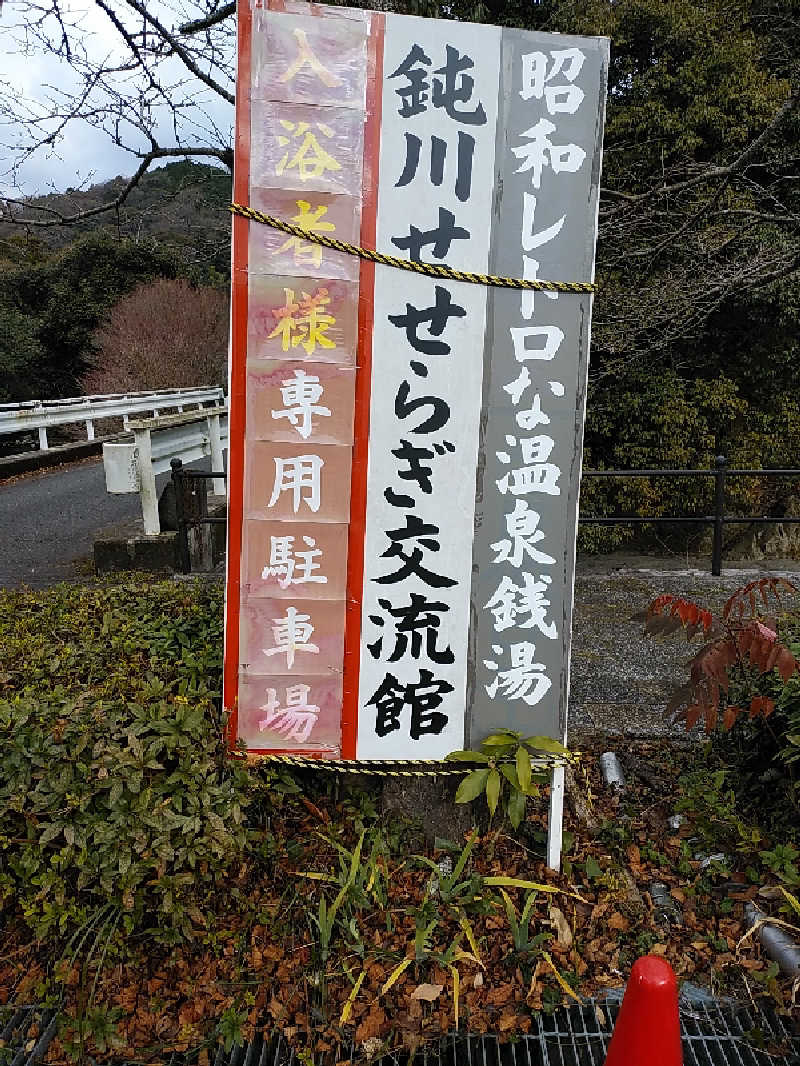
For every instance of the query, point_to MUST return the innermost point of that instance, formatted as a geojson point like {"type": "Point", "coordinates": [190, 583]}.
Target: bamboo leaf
{"type": "Point", "coordinates": [470, 935]}
{"type": "Point", "coordinates": [462, 858]}
{"type": "Point", "coordinates": [523, 768]}
{"type": "Point", "coordinates": [499, 740]}
{"type": "Point", "coordinates": [313, 875]}
{"type": "Point", "coordinates": [509, 772]}
{"type": "Point", "coordinates": [511, 910]}
{"type": "Point", "coordinates": [516, 882]}
{"type": "Point", "coordinates": [546, 744]}
{"type": "Point", "coordinates": [396, 973]}
{"type": "Point", "coordinates": [529, 902]}
{"type": "Point", "coordinates": [793, 901]}
{"type": "Point", "coordinates": [352, 998]}
{"type": "Point", "coordinates": [516, 807]}
{"type": "Point", "coordinates": [562, 983]}
{"type": "Point", "coordinates": [466, 756]}
{"type": "Point", "coordinates": [456, 987]}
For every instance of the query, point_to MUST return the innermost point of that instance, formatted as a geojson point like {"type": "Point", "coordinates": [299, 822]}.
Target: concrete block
{"type": "Point", "coordinates": [126, 547]}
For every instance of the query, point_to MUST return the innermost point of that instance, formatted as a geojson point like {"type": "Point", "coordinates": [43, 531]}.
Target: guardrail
{"type": "Point", "coordinates": [718, 519]}
{"type": "Point", "coordinates": [132, 466]}
{"type": "Point", "coordinates": [42, 414]}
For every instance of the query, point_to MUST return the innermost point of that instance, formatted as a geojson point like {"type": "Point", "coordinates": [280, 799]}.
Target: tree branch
{"type": "Point", "coordinates": [792, 102]}
{"type": "Point", "coordinates": [210, 20]}
{"type": "Point", "coordinates": [180, 51]}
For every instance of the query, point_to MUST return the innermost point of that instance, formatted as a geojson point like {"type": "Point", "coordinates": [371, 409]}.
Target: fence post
{"type": "Point", "coordinates": [184, 561]}
{"type": "Point", "coordinates": [147, 482]}
{"type": "Point", "coordinates": [39, 408]}
{"type": "Point", "coordinates": [215, 440]}
{"type": "Point", "coordinates": [89, 429]}
{"type": "Point", "coordinates": [720, 464]}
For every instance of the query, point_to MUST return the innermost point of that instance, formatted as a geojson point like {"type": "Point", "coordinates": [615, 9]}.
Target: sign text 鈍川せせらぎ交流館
{"type": "Point", "coordinates": [405, 448]}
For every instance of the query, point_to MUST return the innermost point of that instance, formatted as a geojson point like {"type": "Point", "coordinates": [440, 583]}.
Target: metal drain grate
{"type": "Point", "coordinates": [17, 1046]}
{"type": "Point", "coordinates": [713, 1035]}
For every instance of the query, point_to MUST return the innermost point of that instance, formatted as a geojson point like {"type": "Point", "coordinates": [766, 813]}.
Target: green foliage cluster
{"type": "Point", "coordinates": [665, 421]}
{"type": "Point", "coordinates": [116, 789]}
{"type": "Point", "coordinates": [507, 773]}
{"type": "Point", "coordinates": [51, 305]}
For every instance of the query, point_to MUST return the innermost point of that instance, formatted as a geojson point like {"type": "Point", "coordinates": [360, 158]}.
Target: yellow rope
{"type": "Point", "coordinates": [434, 270]}
{"type": "Point", "coordinates": [374, 768]}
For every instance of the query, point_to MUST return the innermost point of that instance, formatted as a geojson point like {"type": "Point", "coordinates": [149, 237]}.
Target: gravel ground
{"type": "Point", "coordinates": [621, 679]}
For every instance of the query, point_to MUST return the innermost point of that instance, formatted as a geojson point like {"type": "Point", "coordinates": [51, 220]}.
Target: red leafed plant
{"type": "Point", "coordinates": [741, 644]}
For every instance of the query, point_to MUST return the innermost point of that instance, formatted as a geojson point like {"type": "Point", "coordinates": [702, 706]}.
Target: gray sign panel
{"type": "Point", "coordinates": [549, 147]}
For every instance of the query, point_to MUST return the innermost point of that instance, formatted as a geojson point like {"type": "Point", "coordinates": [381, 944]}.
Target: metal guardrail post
{"type": "Point", "coordinates": [184, 561]}
{"type": "Point", "coordinates": [720, 469]}
{"type": "Point", "coordinates": [42, 429]}
{"type": "Point", "coordinates": [147, 482]}
{"type": "Point", "coordinates": [215, 442]}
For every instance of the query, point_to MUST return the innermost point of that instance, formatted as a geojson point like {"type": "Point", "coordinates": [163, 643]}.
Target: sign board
{"type": "Point", "coordinates": [404, 456]}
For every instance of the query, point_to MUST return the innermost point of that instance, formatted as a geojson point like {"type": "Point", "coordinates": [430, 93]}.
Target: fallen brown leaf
{"type": "Point", "coordinates": [619, 922]}
{"type": "Point", "coordinates": [561, 925]}
{"type": "Point", "coordinates": [426, 992]}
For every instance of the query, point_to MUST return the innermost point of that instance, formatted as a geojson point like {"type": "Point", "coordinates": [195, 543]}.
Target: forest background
{"type": "Point", "coordinates": [695, 343]}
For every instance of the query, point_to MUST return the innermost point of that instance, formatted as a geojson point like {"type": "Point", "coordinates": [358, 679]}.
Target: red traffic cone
{"type": "Point", "coordinates": [648, 1029]}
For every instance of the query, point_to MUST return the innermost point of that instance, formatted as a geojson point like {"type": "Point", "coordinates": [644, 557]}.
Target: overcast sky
{"type": "Point", "coordinates": [83, 156]}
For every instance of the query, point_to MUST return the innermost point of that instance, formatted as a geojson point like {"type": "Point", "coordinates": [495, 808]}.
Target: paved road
{"type": "Point", "coordinates": [48, 522]}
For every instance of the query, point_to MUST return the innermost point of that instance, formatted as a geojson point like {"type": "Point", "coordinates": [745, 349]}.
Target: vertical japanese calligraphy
{"type": "Point", "coordinates": [405, 450]}
{"type": "Point", "coordinates": [548, 158]}
{"type": "Point", "coordinates": [434, 203]}
{"type": "Point", "coordinates": [307, 115]}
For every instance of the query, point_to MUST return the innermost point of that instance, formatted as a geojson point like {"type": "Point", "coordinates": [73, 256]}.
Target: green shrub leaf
{"type": "Point", "coordinates": [472, 786]}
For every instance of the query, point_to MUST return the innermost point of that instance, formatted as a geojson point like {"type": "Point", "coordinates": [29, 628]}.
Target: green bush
{"type": "Point", "coordinates": [128, 803]}
{"type": "Point", "coordinates": [116, 787]}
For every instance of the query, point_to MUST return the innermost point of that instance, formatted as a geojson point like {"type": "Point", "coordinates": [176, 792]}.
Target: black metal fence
{"type": "Point", "coordinates": [190, 507]}
{"type": "Point", "coordinates": [718, 520]}
{"type": "Point", "coordinates": [192, 515]}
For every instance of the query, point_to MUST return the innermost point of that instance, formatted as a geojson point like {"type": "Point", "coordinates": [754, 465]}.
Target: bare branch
{"type": "Point", "coordinates": [211, 20]}
{"type": "Point", "coordinates": [180, 51]}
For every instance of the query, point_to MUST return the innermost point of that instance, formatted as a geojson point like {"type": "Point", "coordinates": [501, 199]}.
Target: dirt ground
{"type": "Point", "coordinates": [621, 679]}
